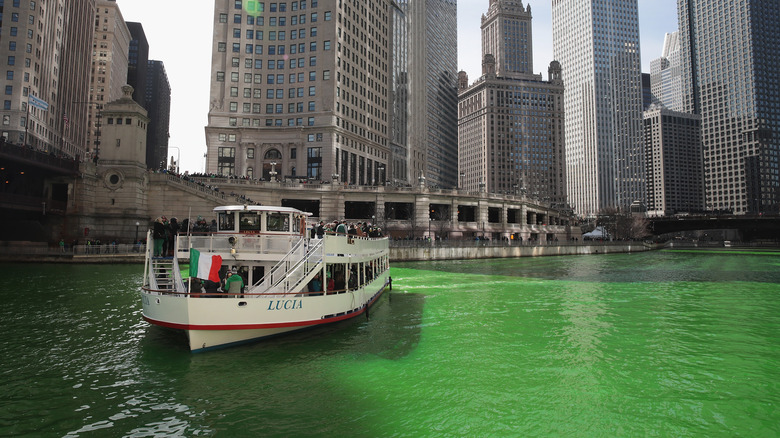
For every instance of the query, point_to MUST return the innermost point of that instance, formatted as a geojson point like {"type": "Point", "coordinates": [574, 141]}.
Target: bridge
{"type": "Point", "coordinates": [752, 227]}
{"type": "Point", "coordinates": [24, 171]}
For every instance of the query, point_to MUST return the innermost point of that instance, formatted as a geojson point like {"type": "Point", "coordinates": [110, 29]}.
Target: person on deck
{"type": "Point", "coordinates": [234, 284]}
{"type": "Point", "coordinates": [158, 234]}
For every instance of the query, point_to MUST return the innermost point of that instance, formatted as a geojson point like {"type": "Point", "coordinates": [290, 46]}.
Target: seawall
{"type": "Point", "coordinates": [440, 252]}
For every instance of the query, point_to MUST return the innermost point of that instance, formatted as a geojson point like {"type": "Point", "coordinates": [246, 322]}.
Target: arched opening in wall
{"type": "Point", "coordinates": [272, 164]}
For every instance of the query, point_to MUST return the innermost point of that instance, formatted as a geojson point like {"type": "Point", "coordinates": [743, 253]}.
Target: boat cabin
{"type": "Point", "coordinates": [258, 219]}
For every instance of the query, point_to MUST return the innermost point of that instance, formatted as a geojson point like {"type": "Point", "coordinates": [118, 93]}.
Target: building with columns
{"type": "Point", "coordinates": [301, 89]}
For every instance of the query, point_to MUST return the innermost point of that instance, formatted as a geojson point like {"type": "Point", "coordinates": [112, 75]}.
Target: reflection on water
{"type": "Point", "coordinates": [669, 344]}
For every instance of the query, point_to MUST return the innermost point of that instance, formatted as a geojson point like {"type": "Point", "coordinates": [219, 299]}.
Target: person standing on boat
{"type": "Point", "coordinates": [341, 228]}
{"type": "Point", "coordinates": [158, 234]}
{"type": "Point", "coordinates": [234, 284]}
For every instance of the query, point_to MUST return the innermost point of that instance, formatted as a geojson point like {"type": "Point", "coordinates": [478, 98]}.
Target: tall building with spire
{"type": "Point", "coordinates": [597, 45]}
{"type": "Point", "coordinates": [730, 54]}
{"type": "Point", "coordinates": [510, 121]}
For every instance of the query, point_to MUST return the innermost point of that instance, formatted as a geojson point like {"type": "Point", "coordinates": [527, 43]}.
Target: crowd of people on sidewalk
{"type": "Point", "coordinates": [359, 229]}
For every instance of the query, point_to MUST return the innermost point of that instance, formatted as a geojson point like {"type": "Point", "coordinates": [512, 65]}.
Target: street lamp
{"type": "Point", "coordinates": [137, 224]}
{"type": "Point", "coordinates": [273, 171]}
{"type": "Point", "coordinates": [178, 156]}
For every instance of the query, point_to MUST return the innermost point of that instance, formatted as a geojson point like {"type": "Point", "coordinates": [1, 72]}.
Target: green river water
{"type": "Point", "coordinates": [653, 344]}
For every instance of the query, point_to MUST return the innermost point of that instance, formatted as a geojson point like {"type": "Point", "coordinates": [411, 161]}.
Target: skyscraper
{"type": "Point", "coordinates": [597, 45]}
{"type": "Point", "coordinates": [137, 57]}
{"type": "Point", "coordinates": [111, 44]}
{"type": "Point", "coordinates": [300, 90]}
{"type": "Point", "coordinates": [666, 74]}
{"type": "Point", "coordinates": [399, 171]}
{"type": "Point", "coordinates": [46, 52]}
{"type": "Point", "coordinates": [730, 54]}
{"type": "Point", "coordinates": [510, 121]}
{"type": "Point", "coordinates": [674, 167]}
{"type": "Point", "coordinates": [433, 98]}
{"type": "Point", "coordinates": [157, 95]}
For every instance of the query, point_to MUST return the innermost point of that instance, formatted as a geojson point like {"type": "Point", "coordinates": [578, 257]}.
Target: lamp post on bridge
{"type": "Point", "coordinates": [178, 157]}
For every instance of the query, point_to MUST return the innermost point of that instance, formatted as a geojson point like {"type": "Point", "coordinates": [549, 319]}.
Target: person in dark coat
{"type": "Point", "coordinates": [158, 234]}
{"type": "Point", "coordinates": [173, 228]}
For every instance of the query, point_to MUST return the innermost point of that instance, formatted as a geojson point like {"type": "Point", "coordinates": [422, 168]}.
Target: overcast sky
{"type": "Point", "coordinates": [179, 35]}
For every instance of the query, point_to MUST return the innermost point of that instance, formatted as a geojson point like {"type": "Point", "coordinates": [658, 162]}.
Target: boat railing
{"type": "Point", "coordinates": [162, 274]}
{"type": "Point", "coordinates": [340, 244]}
{"type": "Point", "coordinates": [278, 244]}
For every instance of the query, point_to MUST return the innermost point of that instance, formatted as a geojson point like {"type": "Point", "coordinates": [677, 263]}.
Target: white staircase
{"type": "Point", "coordinates": [297, 268]}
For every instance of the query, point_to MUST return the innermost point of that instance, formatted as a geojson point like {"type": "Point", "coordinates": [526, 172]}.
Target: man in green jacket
{"type": "Point", "coordinates": [234, 284]}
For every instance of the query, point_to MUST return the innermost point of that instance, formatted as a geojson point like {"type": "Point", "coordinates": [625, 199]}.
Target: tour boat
{"type": "Point", "coordinates": [292, 279]}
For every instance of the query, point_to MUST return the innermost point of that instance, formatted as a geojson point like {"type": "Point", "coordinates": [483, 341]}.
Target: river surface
{"type": "Point", "coordinates": [652, 344]}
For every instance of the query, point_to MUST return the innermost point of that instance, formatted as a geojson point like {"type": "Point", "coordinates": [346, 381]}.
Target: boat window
{"type": "Point", "coordinates": [296, 224]}
{"type": "Point", "coordinates": [248, 222]}
{"type": "Point", "coordinates": [226, 222]}
{"type": "Point", "coordinates": [278, 222]}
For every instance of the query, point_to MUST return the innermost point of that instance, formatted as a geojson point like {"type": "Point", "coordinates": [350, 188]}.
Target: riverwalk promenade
{"type": "Point", "coordinates": [400, 250]}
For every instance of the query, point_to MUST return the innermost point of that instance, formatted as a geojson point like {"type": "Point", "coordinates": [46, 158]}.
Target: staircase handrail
{"type": "Point", "coordinates": [292, 267]}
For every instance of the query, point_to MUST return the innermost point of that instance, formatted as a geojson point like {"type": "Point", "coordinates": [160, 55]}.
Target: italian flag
{"type": "Point", "coordinates": [206, 268]}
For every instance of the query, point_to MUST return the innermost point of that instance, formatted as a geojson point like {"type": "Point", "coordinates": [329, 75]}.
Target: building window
{"type": "Point", "coordinates": [226, 152]}
{"type": "Point", "coordinates": [250, 153]}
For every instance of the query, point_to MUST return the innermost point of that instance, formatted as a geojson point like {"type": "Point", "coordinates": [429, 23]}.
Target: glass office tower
{"type": "Point", "coordinates": [597, 45]}
{"type": "Point", "coordinates": [731, 62]}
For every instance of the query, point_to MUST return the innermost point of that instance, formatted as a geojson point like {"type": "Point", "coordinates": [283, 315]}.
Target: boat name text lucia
{"type": "Point", "coordinates": [285, 304]}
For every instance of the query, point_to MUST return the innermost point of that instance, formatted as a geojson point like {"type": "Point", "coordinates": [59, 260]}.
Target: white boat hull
{"type": "Point", "coordinates": [221, 322]}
